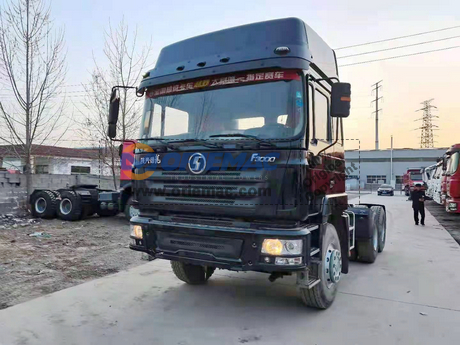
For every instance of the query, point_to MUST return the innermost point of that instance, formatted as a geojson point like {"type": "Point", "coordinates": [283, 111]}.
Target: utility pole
{"type": "Point", "coordinates": [391, 163]}
{"type": "Point", "coordinates": [427, 137]}
{"type": "Point", "coordinates": [376, 87]}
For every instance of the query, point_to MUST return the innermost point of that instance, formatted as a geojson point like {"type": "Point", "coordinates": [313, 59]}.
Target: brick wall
{"type": "Point", "coordinates": [13, 192]}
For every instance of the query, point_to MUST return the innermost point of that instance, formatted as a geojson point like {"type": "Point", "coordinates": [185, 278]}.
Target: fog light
{"type": "Point", "coordinates": [136, 231]}
{"type": "Point", "coordinates": [288, 261]}
{"type": "Point", "coordinates": [453, 206]}
{"type": "Point", "coordinates": [272, 247]}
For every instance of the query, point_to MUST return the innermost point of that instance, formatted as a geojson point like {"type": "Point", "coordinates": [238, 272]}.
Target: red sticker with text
{"type": "Point", "coordinates": [220, 81]}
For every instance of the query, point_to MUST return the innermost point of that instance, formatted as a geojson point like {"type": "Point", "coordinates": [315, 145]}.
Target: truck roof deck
{"type": "Point", "coordinates": [241, 48]}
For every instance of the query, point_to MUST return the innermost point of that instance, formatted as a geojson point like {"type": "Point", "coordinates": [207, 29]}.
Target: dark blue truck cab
{"type": "Point", "coordinates": [240, 161]}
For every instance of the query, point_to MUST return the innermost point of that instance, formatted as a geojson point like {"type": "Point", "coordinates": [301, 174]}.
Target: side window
{"type": "Point", "coordinates": [321, 116]}
{"type": "Point", "coordinates": [175, 121]}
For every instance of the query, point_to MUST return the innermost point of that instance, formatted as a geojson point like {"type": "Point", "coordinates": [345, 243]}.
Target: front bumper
{"type": "Point", "coordinates": [233, 248]}
{"type": "Point", "coordinates": [453, 205]}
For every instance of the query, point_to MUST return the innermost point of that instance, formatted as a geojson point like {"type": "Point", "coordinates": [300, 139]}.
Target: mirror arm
{"type": "Point", "coordinates": [336, 138]}
{"type": "Point", "coordinates": [138, 93]}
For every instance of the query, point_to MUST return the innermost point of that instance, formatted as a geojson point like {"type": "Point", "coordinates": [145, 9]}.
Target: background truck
{"type": "Point", "coordinates": [412, 177]}
{"type": "Point", "coordinates": [452, 179]}
{"type": "Point", "coordinates": [80, 201]}
{"type": "Point", "coordinates": [240, 160]}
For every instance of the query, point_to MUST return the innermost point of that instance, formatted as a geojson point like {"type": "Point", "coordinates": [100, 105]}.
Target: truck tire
{"type": "Point", "coordinates": [130, 210]}
{"type": "Point", "coordinates": [407, 191]}
{"type": "Point", "coordinates": [70, 206]}
{"type": "Point", "coordinates": [323, 294]}
{"type": "Point", "coordinates": [44, 204]}
{"type": "Point", "coordinates": [192, 274]}
{"type": "Point", "coordinates": [367, 249]}
{"type": "Point", "coordinates": [381, 226]}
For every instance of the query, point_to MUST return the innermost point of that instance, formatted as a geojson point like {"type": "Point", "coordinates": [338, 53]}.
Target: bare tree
{"type": "Point", "coordinates": [125, 62]}
{"type": "Point", "coordinates": [32, 70]}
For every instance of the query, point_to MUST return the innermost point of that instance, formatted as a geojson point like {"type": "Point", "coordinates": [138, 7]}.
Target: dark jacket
{"type": "Point", "coordinates": [416, 195]}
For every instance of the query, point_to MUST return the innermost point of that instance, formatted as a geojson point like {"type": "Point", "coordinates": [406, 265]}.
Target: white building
{"type": "Point", "coordinates": [55, 160]}
{"type": "Point", "coordinates": [374, 166]}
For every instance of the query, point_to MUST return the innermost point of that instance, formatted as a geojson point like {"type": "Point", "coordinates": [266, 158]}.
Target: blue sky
{"type": "Point", "coordinates": [407, 81]}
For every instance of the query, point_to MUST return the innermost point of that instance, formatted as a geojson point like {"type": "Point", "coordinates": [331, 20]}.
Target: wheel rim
{"type": "Point", "coordinates": [133, 212]}
{"type": "Point", "coordinates": [40, 205]}
{"type": "Point", "coordinates": [333, 266]}
{"type": "Point", "coordinates": [65, 206]}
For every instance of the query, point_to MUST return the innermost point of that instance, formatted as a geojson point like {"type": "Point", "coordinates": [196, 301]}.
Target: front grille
{"type": "Point", "coordinates": [217, 247]}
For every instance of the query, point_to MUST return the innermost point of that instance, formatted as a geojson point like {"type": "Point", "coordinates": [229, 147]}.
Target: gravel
{"type": "Point", "coordinates": [73, 253]}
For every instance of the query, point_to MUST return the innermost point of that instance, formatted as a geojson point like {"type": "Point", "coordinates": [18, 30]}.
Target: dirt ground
{"type": "Point", "coordinates": [67, 254]}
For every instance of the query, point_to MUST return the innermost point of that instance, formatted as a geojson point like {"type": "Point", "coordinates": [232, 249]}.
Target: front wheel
{"type": "Point", "coordinates": [130, 210]}
{"type": "Point", "coordinates": [323, 294]}
{"type": "Point", "coordinates": [192, 274]}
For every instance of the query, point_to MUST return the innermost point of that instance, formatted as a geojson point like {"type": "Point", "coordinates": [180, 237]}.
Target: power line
{"type": "Point", "coordinates": [399, 56]}
{"type": "Point", "coordinates": [399, 37]}
{"type": "Point", "coordinates": [398, 47]}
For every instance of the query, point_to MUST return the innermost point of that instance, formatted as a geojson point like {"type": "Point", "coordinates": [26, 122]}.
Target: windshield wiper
{"type": "Point", "coordinates": [197, 141]}
{"type": "Point", "coordinates": [234, 135]}
{"type": "Point", "coordinates": [161, 141]}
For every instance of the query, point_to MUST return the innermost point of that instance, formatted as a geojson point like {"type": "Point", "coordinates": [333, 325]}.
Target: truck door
{"type": "Point", "coordinates": [328, 177]}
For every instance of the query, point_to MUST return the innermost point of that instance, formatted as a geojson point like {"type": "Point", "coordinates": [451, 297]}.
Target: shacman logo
{"type": "Point", "coordinates": [197, 163]}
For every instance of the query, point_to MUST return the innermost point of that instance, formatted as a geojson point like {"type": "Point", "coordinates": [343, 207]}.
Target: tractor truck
{"type": "Point", "coordinates": [80, 201]}
{"type": "Point", "coordinates": [239, 164]}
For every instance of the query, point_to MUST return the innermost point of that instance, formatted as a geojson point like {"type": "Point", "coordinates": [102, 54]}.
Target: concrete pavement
{"type": "Point", "coordinates": [408, 296]}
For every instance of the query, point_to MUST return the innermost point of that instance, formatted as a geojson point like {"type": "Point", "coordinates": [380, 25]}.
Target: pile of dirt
{"type": "Point", "coordinates": [38, 257]}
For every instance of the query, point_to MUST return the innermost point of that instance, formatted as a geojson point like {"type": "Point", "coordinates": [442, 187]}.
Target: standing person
{"type": "Point", "coordinates": [418, 203]}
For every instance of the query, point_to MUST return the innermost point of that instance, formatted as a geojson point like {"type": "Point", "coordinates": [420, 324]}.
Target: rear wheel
{"type": "Point", "coordinates": [70, 206]}
{"type": "Point", "coordinates": [44, 204]}
{"type": "Point", "coordinates": [381, 223]}
{"type": "Point", "coordinates": [323, 294]}
{"type": "Point", "coordinates": [367, 249]}
{"type": "Point", "coordinates": [130, 210]}
{"type": "Point", "coordinates": [192, 274]}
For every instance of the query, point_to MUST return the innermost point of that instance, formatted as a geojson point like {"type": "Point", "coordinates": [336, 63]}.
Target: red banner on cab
{"type": "Point", "coordinates": [220, 81]}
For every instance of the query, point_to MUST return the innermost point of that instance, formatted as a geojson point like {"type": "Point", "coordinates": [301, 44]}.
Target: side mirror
{"type": "Point", "coordinates": [340, 100]}
{"type": "Point", "coordinates": [120, 150]}
{"type": "Point", "coordinates": [113, 114]}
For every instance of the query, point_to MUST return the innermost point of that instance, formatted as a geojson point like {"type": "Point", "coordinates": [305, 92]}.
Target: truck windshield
{"type": "Point", "coordinates": [454, 163]}
{"type": "Point", "coordinates": [416, 176]}
{"type": "Point", "coordinates": [268, 110]}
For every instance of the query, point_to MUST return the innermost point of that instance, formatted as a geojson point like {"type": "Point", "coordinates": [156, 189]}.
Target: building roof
{"type": "Point", "coordinates": [49, 151]}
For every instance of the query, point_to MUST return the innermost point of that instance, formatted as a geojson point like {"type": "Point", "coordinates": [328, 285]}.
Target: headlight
{"type": "Point", "coordinates": [136, 231]}
{"type": "Point", "coordinates": [281, 247]}
{"type": "Point", "coordinates": [452, 206]}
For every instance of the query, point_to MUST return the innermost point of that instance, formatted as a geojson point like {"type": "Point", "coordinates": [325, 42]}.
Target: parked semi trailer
{"type": "Point", "coordinates": [240, 161]}
{"type": "Point", "coordinates": [80, 201]}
